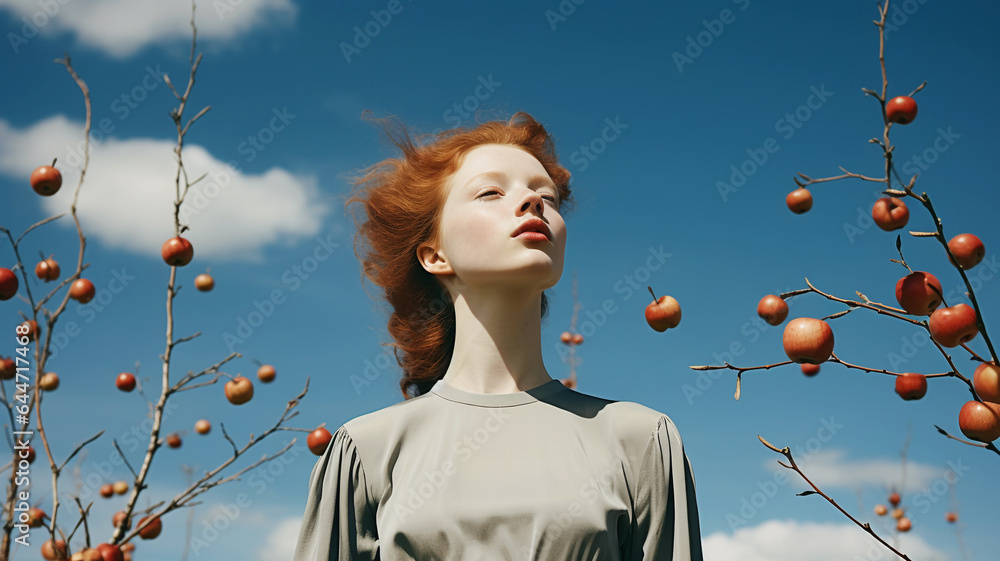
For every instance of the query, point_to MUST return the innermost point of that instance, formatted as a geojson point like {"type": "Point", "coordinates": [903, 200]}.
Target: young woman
{"type": "Point", "coordinates": [487, 457]}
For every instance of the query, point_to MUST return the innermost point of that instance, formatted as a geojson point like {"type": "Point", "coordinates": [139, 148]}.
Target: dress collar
{"type": "Point", "coordinates": [538, 393]}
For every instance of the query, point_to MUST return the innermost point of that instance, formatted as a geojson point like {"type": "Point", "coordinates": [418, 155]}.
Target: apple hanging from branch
{"type": "Point", "coordinates": [808, 340]}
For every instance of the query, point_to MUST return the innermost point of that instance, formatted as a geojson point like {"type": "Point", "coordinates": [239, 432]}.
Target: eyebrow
{"type": "Point", "coordinates": [501, 176]}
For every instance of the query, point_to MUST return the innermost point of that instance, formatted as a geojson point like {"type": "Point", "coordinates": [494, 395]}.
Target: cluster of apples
{"type": "Point", "coordinates": [903, 523]}
{"type": "Point", "coordinates": [571, 338]}
{"type": "Point", "coordinates": [663, 313]}
{"type": "Point", "coordinates": [890, 213]}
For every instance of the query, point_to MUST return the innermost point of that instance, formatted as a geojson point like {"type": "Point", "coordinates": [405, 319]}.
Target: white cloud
{"type": "Point", "coordinates": [831, 468]}
{"type": "Point", "coordinates": [281, 541]}
{"type": "Point", "coordinates": [790, 540]}
{"type": "Point", "coordinates": [126, 201]}
{"type": "Point", "coordinates": [121, 27]}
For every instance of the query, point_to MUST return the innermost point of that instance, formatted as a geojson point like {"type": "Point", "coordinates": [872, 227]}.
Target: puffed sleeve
{"type": "Point", "coordinates": [338, 524]}
{"type": "Point", "coordinates": [666, 512]}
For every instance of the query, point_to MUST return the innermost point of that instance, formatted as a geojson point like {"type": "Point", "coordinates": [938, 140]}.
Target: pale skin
{"type": "Point", "coordinates": [496, 280]}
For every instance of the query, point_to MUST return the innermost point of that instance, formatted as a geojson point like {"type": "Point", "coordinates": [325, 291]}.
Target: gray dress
{"type": "Point", "coordinates": [544, 474]}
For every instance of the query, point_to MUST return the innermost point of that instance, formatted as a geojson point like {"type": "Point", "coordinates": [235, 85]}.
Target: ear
{"type": "Point", "coordinates": [433, 260]}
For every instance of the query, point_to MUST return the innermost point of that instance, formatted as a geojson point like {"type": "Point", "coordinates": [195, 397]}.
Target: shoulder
{"type": "Point", "coordinates": [377, 425]}
{"type": "Point", "coordinates": [633, 423]}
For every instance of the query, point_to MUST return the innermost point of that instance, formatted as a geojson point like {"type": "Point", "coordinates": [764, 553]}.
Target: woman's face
{"type": "Point", "coordinates": [497, 188]}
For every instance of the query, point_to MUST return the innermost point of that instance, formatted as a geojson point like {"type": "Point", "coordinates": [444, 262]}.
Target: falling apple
{"type": "Point", "coordinates": [204, 282]}
{"type": "Point", "coordinates": [82, 291]}
{"type": "Point", "coordinates": [954, 325]}
{"type": "Point", "coordinates": [318, 440]}
{"type": "Point", "coordinates": [177, 251]}
{"type": "Point", "coordinates": [8, 284]}
{"type": "Point", "coordinates": [968, 249]}
{"type": "Point", "coordinates": [46, 180]}
{"type": "Point", "coordinates": [911, 386]}
{"type": "Point", "coordinates": [980, 421]}
{"type": "Point", "coordinates": [150, 531]}
{"type": "Point", "coordinates": [202, 426]}
{"type": "Point", "coordinates": [986, 380]}
{"type": "Point", "coordinates": [890, 213]}
{"type": "Point", "coordinates": [808, 340]}
{"type": "Point", "coordinates": [125, 381]}
{"type": "Point", "coordinates": [663, 313]}
{"type": "Point", "coordinates": [47, 270]}
{"type": "Point", "coordinates": [809, 369]}
{"type": "Point", "coordinates": [799, 200]}
{"type": "Point", "coordinates": [916, 293]}
{"type": "Point", "coordinates": [773, 309]}
{"type": "Point", "coordinates": [266, 373]}
{"type": "Point", "coordinates": [239, 390]}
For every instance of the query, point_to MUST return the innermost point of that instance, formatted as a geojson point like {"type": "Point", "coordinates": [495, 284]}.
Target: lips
{"type": "Point", "coordinates": [533, 225]}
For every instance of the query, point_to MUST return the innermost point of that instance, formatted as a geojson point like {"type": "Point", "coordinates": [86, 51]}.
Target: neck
{"type": "Point", "coordinates": [497, 342]}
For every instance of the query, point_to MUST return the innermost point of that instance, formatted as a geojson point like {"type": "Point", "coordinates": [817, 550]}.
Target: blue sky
{"type": "Point", "coordinates": [652, 109]}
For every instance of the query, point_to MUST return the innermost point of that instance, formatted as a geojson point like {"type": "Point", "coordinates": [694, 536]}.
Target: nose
{"type": "Point", "coordinates": [533, 202]}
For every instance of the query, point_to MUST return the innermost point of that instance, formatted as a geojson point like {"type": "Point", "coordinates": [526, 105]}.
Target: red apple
{"type": "Point", "coordinates": [663, 313]}
{"type": "Point", "coordinates": [118, 517]}
{"type": "Point", "coordinates": [577, 339]}
{"type": "Point", "coordinates": [904, 524]}
{"type": "Point", "coordinates": [202, 426]}
{"type": "Point", "coordinates": [151, 531]}
{"type": "Point", "coordinates": [204, 282]}
{"type": "Point", "coordinates": [36, 517]}
{"type": "Point", "coordinates": [239, 390]}
{"type": "Point", "coordinates": [881, 510]}
{"type": "Point", "coordinates": [894, 498]}
{"type": "Point", "coordinates": [107, 490]}
{"type": "Point", "coordinates": [986, 380]}
{"type": "Point", "coordinates": [174, 440]}
{"type": "Point", "coordinates": [808, 340]}
{"type": "Point", "coordinates": [8, 369]}
{"type": "Point", "coordinates": [177, 251]}
{"type": "Point", "coordinates": [799, 200]}
{"type": "Point", "coordinates": [318, 440]}
{"type": "Point", "coordinates": [8, 283]}
{"type": "Point", "coordinates": [968, 249]}
{"type": "Point", "coordinates": [49, 381]}
{"type": "Point", "coordinates": [890, 213]}
{"type": "Point", "coordinates": [809, 369]}
{"type": "Point", "coordinates": [951, 517]}
{"type": "Point", "coordinates": [46, 180]}
{"type": "Point", "coordinates": [901, 110]}
{"type": "Point", "coordinates": [28, 328]}
{"type": "Point", "coordinates": [31, 454]}
{"type": "Point", "coordinates": [125, 381]}
{"type": "Point", "coordinates": [980, 421]}
{"type": "Point", "coordinates": [773, 309]}
{"type": "Point", "coordinates": [266, 373]}
{"type": "Point", "coordinates": [566, 337]}
{"type": "Point", "coordinates": [911, 386]}
{"type": "Point", "coordinates": [82, 291]}
{"type": "Point", "coordinates": [55, 551]}
{"type": "Point", "coordinates": [47, 270]}
{"type": "Point", "coordinates": [110, 552]}
{"type": "Point", "coordinates": [954, 325]}
{"type": "Point", "coordinates": [915, 294]}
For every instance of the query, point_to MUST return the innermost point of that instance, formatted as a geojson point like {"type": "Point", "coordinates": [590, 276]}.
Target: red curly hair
{"type": "Point", "coordinates": [403, 199]}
